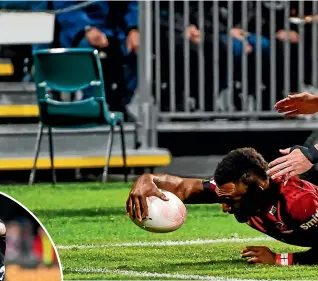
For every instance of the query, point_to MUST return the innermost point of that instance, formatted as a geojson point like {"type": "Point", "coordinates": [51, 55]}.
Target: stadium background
{"type": "Point", "coordinates": [194, 103]}
{"type": "Point", "coordinates": [214, 111]}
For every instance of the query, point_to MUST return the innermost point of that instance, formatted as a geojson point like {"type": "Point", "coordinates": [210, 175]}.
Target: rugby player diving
{"type": "Point", "coordinates": [284, 210]}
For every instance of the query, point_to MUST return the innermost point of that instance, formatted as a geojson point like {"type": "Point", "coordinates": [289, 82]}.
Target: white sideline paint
{"type": "Point", "coordinates": [158, 275]}
{"type": "Point", "coordinates": [149, 274]}
{"type": "Point", "coordinates": [168, 243]}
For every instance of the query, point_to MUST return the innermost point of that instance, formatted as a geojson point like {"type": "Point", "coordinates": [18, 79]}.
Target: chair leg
{"type": "Point", "coordinates": [136, 137]}
{"type": "Point", "coordinates": [123, 147]}
{"type": "Point", "coordinates": [51, 148]}
{"type": "Point", "coordinates": [36, 153]}
{"type": "Point", "coordinates": [108, 153]}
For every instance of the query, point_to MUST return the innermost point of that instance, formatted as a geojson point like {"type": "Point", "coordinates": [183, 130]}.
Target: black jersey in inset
{"type": "Point", "coordinates": [2, 247]}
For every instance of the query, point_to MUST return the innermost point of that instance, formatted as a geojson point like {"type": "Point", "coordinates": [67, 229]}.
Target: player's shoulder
{"type": "Point", "coordinates": [301, 199]}
{"type": "Point", "coordinates": [296, 188]}
{"type": "Point", "coordinates": [305, 208]}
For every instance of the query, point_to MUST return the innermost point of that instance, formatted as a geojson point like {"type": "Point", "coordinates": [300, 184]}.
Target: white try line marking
{"type": "Point", "coordinates": [133, 273]}
{"type": "Point", "coordinates": [168, 243]}
{"type": "Point", "coordinates": [148, 274]}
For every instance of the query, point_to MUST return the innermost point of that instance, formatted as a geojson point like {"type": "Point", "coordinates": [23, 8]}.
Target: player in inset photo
{"type": "Point", "coordinates": [26, 250]}
{"type": "Point", "coordinates": [2, 249]}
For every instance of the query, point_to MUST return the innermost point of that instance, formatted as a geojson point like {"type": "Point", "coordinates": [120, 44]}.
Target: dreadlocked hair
{"type": "Point", "coordinates": [238, 162]}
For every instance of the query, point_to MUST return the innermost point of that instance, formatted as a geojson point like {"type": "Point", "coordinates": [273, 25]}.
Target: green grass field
{"type": "Point", "coordinates": [94, 214]}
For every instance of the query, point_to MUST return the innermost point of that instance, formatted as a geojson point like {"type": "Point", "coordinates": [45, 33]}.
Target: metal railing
{"type": "Point", "coordinates": [223, 75]}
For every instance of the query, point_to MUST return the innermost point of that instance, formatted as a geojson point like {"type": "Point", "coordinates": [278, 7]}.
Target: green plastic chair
{"type": "Point", "coordinates": [70, 70]}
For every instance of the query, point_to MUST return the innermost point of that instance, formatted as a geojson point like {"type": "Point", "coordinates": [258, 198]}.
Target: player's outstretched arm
{"type": "Point", "coordinates": [189, 190]}
{"type": "Point", "coordinates": [261, 254]}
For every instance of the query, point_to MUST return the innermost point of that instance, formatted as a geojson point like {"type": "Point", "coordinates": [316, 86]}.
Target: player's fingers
{"type": "Point", "coordinates": [283, 172]}
{"type": "Point", "coordinates": [288, 108]}
{"type": "Point", "coordinates": [129, 206]}
{"type": "Point", "coordinates": [279, 167]}
{"type": "Point", "coordinates": [144, 206]}
{"type": "Point", "coordinates": [282, 103]}
{"type": "Point", "coordinates": [250, 254]}
{"type": "Point", "coordinates": [137, 208]}
{"type": "Point", "coordinates": [254, 260]}
{"type": "Point", "coordinates": [293, 173]}
{"type": "Point", "coordinates": [299, 170]}
{"type": "Point", "coordinates": [296, 96]}
{"type": "Point", "coordinates": [252, 248]}
{"type": "Point", "coordinates": [293, 113]}
{"type": "Point", "coordinates": [162, 196]}
{"type": "Point", "coordinates": [278, 161]}
{"type": "Point", "coordinates": [285, 151]}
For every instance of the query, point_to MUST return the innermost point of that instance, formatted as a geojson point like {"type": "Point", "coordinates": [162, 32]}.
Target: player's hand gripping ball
{"type": "Point", "coordinates": [164, 216]}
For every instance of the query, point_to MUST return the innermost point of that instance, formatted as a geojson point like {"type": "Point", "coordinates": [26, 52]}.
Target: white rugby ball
{"type": "Point", "coordinates": [164, 216]}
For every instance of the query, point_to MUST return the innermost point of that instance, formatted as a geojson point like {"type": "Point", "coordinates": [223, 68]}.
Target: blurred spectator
{"type": "Point", "coordinates": [195, 38]}
{"type": "Point", "coordinates": [43, 248]}
{"type": "Point", "coordinates": [307, 43]}
{"type": "Point", "coordinates": [245, 41]}
{"type": "Point", "coordinates": [28, 245]}
{"type": "Point", "coordinates": [30, 255]}
{"type": "Point", "coordinates": [112, 28]}
{"type": "Point", "coordinates": [14, 241]}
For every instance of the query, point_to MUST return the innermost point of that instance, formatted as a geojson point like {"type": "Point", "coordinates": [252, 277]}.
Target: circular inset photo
{"type": "Point", "coordinates": [27, 251]}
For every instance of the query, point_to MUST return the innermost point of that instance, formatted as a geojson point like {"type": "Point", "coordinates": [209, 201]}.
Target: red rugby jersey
{"type": "Point", "coordinates": [293, 219]}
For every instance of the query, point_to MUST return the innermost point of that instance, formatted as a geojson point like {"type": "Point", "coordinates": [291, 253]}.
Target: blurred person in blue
{"type": "Point", "coordinates": [198, 40]}
{"type": "Point", "coordinates": [112, 28]}
{"type": "Point", "coordinates": [245, 41]}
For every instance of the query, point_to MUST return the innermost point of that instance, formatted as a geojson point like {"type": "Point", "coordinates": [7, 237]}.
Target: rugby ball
{"type": "Point", "coordinates": [164, 216]}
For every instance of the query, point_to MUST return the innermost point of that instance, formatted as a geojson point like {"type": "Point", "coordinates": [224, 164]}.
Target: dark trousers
{"type": "Point", "coordinates": [119, 73]}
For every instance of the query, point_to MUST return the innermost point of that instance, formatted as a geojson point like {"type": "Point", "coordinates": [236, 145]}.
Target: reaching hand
{"type": "Point", "coordinates": [303, 103]}
{"type": "Point", "coordinates": [97, 38]}
{"type": "Point", "coordinates": [136, 205]}
{"type": "Point", "coordinates": [291, 35]}
{"type": "Point", "coordinates": [292, 164]}
{"type": "Point", "coordinates": [259, 254]}
{"type": "Point", "coordinates": [193, 33]}
{"type": "Point", "coordinates": [133, 40]}
{"type": "Point", "coordinates": [238, 34]}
